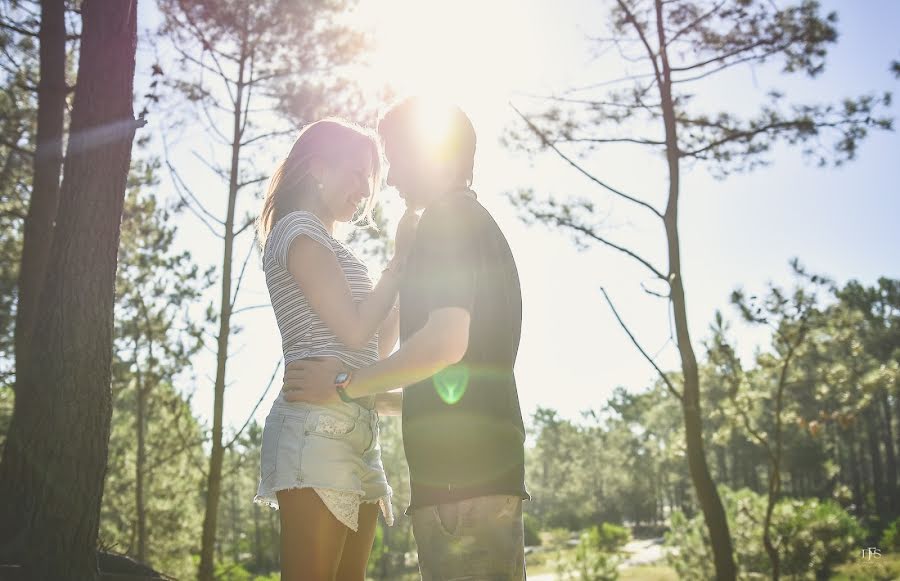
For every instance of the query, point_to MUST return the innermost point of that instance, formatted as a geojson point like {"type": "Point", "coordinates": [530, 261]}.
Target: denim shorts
{"type": "Point", "coordinates": [333, 449]}
{"type": "Point", "coordinates": [474, 539]}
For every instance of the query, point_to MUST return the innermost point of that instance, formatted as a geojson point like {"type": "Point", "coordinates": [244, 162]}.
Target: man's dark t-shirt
{"type": "Point", "coordinates": [462, 428]}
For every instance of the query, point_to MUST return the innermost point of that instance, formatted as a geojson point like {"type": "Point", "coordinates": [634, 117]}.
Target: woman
{"type": "Point", "coordinates": [321, 465]}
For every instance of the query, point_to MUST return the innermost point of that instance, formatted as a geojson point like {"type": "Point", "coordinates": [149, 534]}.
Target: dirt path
{"type": "Point", "coordinates": [640, 552]}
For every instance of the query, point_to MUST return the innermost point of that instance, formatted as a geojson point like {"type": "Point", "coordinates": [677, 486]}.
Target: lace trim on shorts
{"type": "Point", "coordinates": [343, 505]}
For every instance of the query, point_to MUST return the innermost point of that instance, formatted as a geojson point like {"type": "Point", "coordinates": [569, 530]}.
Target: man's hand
{"type": "Point", "coordinates": [312, 381]}
{"type": "Point", "coordinates": [406, 234]}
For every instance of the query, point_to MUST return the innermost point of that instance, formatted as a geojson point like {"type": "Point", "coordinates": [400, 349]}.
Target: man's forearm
{"type": "Point", "coordinates": [389, 403]}
{"type": "Point", "coordinates": [418, 358]}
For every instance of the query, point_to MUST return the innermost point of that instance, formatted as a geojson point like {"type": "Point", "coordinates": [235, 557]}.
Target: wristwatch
{"type": "Point", "coordinates": [341, 381]}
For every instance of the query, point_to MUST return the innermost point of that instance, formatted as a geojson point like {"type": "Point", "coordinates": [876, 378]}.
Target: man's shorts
{"type": "Point", "coordinates": [475, 539]}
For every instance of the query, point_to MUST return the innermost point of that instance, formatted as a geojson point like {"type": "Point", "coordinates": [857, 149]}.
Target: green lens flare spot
{"type": "Point", "coordinates": [451, 383]}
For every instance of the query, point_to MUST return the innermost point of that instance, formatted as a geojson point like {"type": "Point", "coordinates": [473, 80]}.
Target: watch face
{"type": "Point", "coordinates": [341, 377]}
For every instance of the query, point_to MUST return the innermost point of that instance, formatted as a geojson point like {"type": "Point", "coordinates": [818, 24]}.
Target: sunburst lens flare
{"type": "Point", "coordinates": [451, 383]}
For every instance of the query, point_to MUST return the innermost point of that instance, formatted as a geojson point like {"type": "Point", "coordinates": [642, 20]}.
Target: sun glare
{"type": "Point", "coordinates": [465, 51]}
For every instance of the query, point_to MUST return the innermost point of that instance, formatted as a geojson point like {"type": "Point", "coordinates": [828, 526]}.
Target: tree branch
{"type": "Point", "coordinates": [212, 125]}
{"type": "Point", "coordinates": [240, 279]}
{"type": "Point", "coordinates": [218, 171]}
{"type": "Point", "coordinates": [639, 141]}
{"type": "Point", "coordinates": [261, 398]}
{"type": "Point", "coordinates": [179, 184]}
{"type": "Point", "coordinates": [664, 377]}
{"type": "Point", "coordinates": [591, 234]}
{"type": "Point", "coordinates": [251, 308]}
{"type": "Point", "coordinates": [17, 148]}
{"type": "Point", "coordinates": [268, 135]}
{"type": "Point", "coordinates": [652, 55]}
{"type": "Point", "coordinates": [247, 224]}
{"type": "Point", "coordinates": [549, 144]}
{"type": "Point", "coordinates": [17, 29]}
{"type": "Point", "coordinates": [253, 181]}
{"type": "Point", "coordinates": [695, 22]}
{"type": "Point", "coordinates": [611, 82]}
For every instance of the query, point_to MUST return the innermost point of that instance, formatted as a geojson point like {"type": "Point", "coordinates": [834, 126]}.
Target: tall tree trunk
{"type": "Point", "coordinates": [235, 518]}
{"type": "Point", "coordinates": [257, 540]}
{"type": "Point", "coordinates": [140, 428]}
{"type": "Point", "coordinates": [721, 464]}
{"type": "Point", "coordinates": [707, 495]}
{"type": "Point", "coordinates": [893, 493]}
{"type": "Point", "coordinates": [871, 419]}
{"type": "Point", "coordinates": [775, 457]}
{"type": "Point", "coordinates": [855, 471]}
{"type": "Point", "coordinates": [38, 227]}
{"type": "Point", "coordinates": [54, 462]}
{"type": "Point", "coordinates": [214, 479]}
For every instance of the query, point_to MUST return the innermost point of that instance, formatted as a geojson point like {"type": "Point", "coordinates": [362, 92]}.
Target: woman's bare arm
{"type": "Point", "coordinates": [318, 274]}
{"type": "Point", "coordinates": [388, 333]}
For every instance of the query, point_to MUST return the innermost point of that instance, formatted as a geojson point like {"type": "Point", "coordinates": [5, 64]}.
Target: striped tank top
{"type": "Point", "coordinates": [303, 333]}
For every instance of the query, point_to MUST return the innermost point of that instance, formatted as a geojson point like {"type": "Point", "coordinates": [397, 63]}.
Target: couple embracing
{"type": "Point", "coordinates": [451, 295]}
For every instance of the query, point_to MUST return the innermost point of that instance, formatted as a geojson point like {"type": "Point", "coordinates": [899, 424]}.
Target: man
{"type": "Point", "coordinates": [460, 324]}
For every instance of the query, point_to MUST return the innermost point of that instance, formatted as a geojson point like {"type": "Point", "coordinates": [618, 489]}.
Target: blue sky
{"type": "Point", "coordinates": [738, 232]}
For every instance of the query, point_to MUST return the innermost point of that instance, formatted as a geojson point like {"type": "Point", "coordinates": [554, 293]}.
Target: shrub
{"type": "Point", "coordinates": [812, 535]}
{"type": "Point", "coordinates": [532, 536]}
{"type": "Point", "coordinates": [890, 539]}
{"type": "Point", "coordinates": [590, 562]}
{"type": "Point", "coordinates": [611, 537]}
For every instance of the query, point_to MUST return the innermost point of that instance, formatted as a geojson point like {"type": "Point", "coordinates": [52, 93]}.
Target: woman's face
{"type": "Point", "coordinates": [347, 185]}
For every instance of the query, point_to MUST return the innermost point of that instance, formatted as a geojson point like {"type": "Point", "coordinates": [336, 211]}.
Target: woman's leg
{"type": "Point", "coordinates": [358, 545]}
{"type": "Point", "coordinates": [312, 539]}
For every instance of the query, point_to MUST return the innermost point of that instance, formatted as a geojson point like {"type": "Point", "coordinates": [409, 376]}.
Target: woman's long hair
{"type": "Point", "coordinates": [330, 140]}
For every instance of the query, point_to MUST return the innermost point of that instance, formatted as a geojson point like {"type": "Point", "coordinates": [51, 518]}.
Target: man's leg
{"type": "Point", "coordinates": [476, 539]}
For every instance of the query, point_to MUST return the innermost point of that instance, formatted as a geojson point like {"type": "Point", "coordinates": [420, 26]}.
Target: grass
{"type": "Point", "coordinates": [887, 568]}
{"type": "Point", "coordinates": [649, 573]}
{"type": "Point", "coordinates": [544, 560]}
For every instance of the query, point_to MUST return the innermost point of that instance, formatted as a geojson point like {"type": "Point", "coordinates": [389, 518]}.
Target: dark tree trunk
{"type": "Point", "coordinates": [871, 419]}
{"type": "Point", "coordinates": [722, 464]}
{"type": "Point", "coordinates": [235, 519]}
{"type": "Point", "coordinates": [892, 493]}
{"type": "Point", "coordinates": [257, 540]}
{"type": "Point", "coordinates": [38, 227]}
{"type": "Point", "coordinates": [707, 495]}
{"type": "Point", "coordinates": [139, 467]}
{"type": "Point", "coordinates": [54, 462]}
{"type": "Point", "coordinates": [855, 473]}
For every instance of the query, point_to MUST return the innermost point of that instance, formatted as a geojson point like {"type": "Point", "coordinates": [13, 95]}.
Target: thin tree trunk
{"type": "Point", "coordinates": [855, 472]}
{"type": "Point", "coordinates": [145, 382]}
{"type": "Point", "coordinates": [235, 550]}
{"type": "Point", "coordinates": [775, 457]}
{"type": "Point", "coordinates": [140, 423]}
{"type": "Point", "coordinates": [707, 495]}
{"type": "Point", "coordinates": [257, 540]}
{"type": "Point", "coordinates": [54, 462]}
{"type": "Point", "coordinates": [871, 419]}
{"type": "Point", "coordinates": [215, 464]}
{"type": "Point", "coordinates": [893, 493]}
{"type": "Point", "coordinates": [38, 226]}
{"type": "Point", "coordinates": [722, 465]}
{"type": "Point", "coordinates": [275, 527]}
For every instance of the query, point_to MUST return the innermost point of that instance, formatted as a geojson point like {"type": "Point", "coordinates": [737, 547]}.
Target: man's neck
{"type": "Point", "coordinates": [452, 191]}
